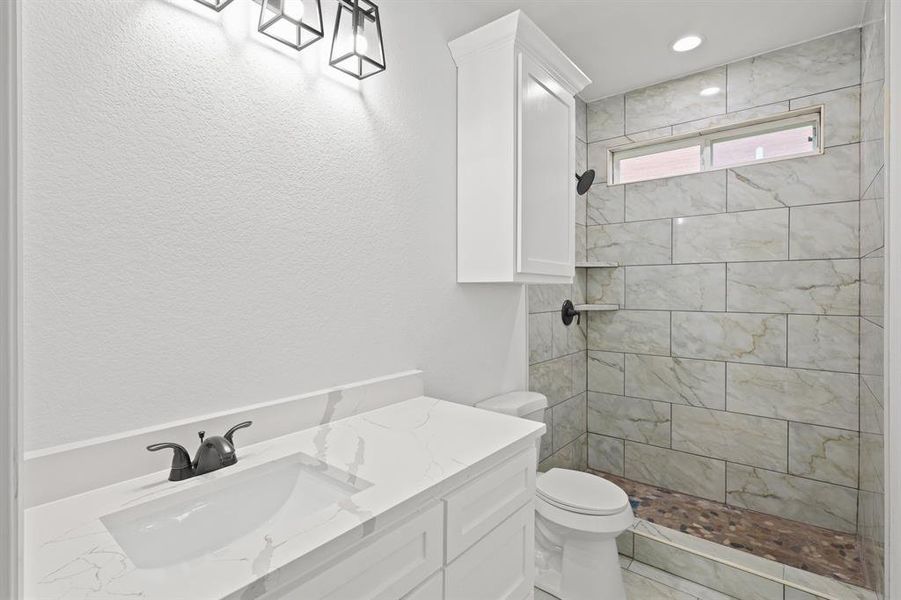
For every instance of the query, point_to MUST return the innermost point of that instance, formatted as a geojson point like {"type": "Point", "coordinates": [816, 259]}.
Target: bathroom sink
{"type": "Point", "coordinates": [184, 526]}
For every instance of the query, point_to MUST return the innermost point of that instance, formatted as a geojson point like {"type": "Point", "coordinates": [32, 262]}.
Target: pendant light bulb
{"type": "Point", "coordinates": [361, 44]}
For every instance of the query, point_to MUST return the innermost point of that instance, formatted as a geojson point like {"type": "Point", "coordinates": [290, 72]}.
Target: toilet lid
{"type": "Point", "coordinates": [582, 492]}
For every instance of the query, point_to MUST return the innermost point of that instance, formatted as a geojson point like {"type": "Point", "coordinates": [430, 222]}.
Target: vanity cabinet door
{"type": "Point", "coordinates": [385, 568]}
{"type": "Point", "coordinates": [501, 566]}
{"type": "Point", "coordinates": [546, 168]}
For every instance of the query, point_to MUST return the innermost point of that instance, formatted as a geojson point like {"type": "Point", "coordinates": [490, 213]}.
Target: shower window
{"type": "Point", "coordinates": [788, 135]}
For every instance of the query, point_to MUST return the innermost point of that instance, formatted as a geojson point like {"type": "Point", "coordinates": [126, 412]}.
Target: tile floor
{"type": "Point", "coordinates": [647, 583]}
{"type": "Point", "coordinates": [814, 549]}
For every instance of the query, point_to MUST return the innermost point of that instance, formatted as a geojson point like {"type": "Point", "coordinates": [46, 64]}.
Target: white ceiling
{"type": "Point", "coordinates": [625, 44]}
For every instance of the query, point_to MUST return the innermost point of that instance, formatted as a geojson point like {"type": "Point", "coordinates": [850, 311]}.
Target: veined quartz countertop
{"type": "Point", "coordinates": [410, 453]}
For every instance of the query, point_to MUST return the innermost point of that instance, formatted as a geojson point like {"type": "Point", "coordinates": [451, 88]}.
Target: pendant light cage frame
{"type": "Point", "coordinates": [299, 24]}
{"type": "Point", "coordinates": [216, 5]}
{"type": "Point", "coordinates": [360, 12]}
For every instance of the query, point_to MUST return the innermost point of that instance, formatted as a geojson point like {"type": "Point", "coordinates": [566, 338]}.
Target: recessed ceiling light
{"type": "Point", "coordinates": [689, 42]}
{"type": "Point", "coordinates": [711, 91]}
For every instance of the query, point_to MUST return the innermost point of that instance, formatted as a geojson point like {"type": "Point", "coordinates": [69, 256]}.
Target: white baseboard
{"type": "Point", "coordinates": [61, 471]}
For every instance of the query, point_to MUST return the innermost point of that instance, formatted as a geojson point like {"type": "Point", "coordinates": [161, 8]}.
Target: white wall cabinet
{"type": "Point", "coordinates": [515, 154]}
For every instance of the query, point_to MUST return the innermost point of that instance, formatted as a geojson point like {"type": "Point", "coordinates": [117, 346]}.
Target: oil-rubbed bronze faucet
{"type": "Point", "coordinates": [214, 453]}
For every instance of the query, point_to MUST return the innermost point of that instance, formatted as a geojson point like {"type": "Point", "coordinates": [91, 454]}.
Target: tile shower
{"type": "Point", "coordinates": [745, 364]}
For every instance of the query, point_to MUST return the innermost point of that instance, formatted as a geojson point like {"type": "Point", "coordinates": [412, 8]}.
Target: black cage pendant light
{"type": "Point", "coordinates": [357, 47]}
{"type": "Point", "coordinates": [296, 23]}
{"type": "Point", "coordinates": [216, 5]}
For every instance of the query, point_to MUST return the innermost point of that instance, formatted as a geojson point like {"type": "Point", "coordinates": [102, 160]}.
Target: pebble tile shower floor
{"type": "Point", "coordinates": [821, 551]}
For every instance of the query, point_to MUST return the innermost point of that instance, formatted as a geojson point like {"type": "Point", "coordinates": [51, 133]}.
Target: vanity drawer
{"type": "Point", "coordinates": [385, 568]}
{"type": "Point", "coordinates": [433, 589]}
{"type": "Point", "coordinates": [500, 566]}
{"type": "Point", "coordinates": [481, 505]}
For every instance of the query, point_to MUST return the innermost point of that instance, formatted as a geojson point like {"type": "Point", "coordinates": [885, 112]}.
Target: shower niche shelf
{"type": "Point", "coordinates": [596, 307]}
{"type": "Point", "coordinates": [596, 265]}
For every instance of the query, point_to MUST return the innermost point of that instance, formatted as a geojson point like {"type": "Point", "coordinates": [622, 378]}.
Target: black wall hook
{"type": "Point", "coordinates": [568, 312]}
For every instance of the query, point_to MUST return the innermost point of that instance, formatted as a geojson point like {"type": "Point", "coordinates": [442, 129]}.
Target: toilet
{"type": "Point", "coordinates": [577, 519]}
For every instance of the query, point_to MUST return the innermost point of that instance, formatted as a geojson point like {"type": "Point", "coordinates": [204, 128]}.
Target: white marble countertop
{"type": "Point", "coordinates": [410, 452]}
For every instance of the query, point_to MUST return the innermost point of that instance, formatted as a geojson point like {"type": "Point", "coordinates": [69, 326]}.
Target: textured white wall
{"type": "Point", "coordinates": [211, 220]}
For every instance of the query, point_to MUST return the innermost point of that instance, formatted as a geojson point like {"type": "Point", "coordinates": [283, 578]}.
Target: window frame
{"type": "Point", "coordinates": [706, 138]}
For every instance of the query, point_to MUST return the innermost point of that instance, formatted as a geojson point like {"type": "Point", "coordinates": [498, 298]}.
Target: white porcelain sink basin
{"type": "Point", "coordinates": [184, 526]}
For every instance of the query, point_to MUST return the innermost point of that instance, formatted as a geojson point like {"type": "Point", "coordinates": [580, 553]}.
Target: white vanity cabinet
{"type": "Point", "coordinates": [515, 154]}
{"type": "Point", "coordinates": [475, 543]}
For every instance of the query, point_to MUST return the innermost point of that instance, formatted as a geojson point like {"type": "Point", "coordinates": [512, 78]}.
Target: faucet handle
{"type": "Point", "coordinates": [181, 460]}
{"type": "Point", "coordinates": [231, 432]}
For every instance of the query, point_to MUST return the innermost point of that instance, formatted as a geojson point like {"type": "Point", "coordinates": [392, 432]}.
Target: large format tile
{"type": "Point", "coordinates": [606, 371]}
{"type": "Point", "coordinates": [829, 177]}
{"type": "Point", "coordinates": [872, 287]}
{"type": "Point", "coordinates": [572, 456]}
{"type": "Point", "coordinates": [677, 380]}
{"type": "Point", "coordinates": [606, 204]}
{"type": "Point", "coordinates": [827, 586]}
{"type": "Point", "coordinates": [757, 235]}
{"type": "Point", "coordinates": [822, 504]}
{"type": "Point", "coordinates": [597, 155]}
{"type": "Point", "coordinates": [872, 451]}
{"type": "Point", "coordinates": [553, 379]}
{"type": "Point", "coordinates": [734, 437]}
{"type": "Point", "coordinates": [547, 297]}
{"type": "Point", "coordinates": [698, 194]}
{"type": "Point", "coordinates": [872, 409]}
{"type": "Point", "coordinates": [824, 231]}
{"type": "Point", "coordinates": [675, 101]}
{"type": "Point", "coordinates": [829, 287]}
{"type": "Point", "coordinates": [644, 332]}
{"type": "Point", "coordinates": [676, 287]}
{"type": "Point", "coordinates": [872, 224]}
{"type": "Point", "coordinates": [569, 420]}
{"type": "Point", "coordinates": [606, 454]}
{"type": "Point", "coordinates": [842, 112]}
{"type": "Point", "coordinates": [674, 470]}
{"type": "Point", "coordinates": [720, 576]}
{"type": "Point", "coordinates": [823, 453]}
{"type": "Point", "coordinates": [567, 339]}
{"type": "Point", "coordinates": [606, 118]}
{"type": "Point", "coordinates": [696, 590]}
{"type": "Point", "coordinates": [606, 286]}
{"type": "Point", "coordinates": [818, 397]}
{"type": "Point", "coordinates": [642, 587]}
{"type": "Point", "coordinates": [731, 118]}
{"type": "Point", "coordinates": [633, 419]}
{"type": "Point", "coordinates": [827, 63]}
{"type": "Point", "coordinates": [540, 342]}
{"type": "Point", "coordinates": [741, 337]}
{"type": "Point", "coordinates": [639, 243]}
{"type": "Point", "coordinates": [823, 342]}
{"type": "Point", "coordinates": [581, 120]}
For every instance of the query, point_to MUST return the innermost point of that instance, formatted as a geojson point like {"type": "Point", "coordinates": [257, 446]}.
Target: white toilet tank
{"type": "Point", "coordinates": [525, 405]}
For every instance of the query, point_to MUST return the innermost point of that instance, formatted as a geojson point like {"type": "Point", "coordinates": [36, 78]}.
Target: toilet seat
{"type": "Point", "coordinates": [581, 493]}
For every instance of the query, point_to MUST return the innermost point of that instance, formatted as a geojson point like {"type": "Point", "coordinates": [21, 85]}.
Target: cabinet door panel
{"type": "Point", "coordinates": [546, 165]}
{"type": "Point", "coordinates": [500, 566]}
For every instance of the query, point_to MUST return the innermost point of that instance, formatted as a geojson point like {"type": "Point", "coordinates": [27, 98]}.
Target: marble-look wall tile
{"type": "Point", "coordinates": [553, 379]}
{"type": "Point", "coordinates": [606, 118]}
{"type": "Point", "coordinates": [714, 574]}
{"type": "Point", "coordinates": [871, 162]}
{"type": "Point", "coordinates": [675, 101]}
{"type": "Point", "coordinates": [638, 243]}
{"type": "Point", "coordinates": [746, 439]}
{"type": "Point", "coordinates": [580, 372]}
{"type": "Point", "coordinates": [698, 194]}
{"type": "Point", "coordinates": [572, 456]}
{"type": "Point", "coordinates": [829, 177]}
{"type": "Point", "coordinates": [606, 372]}
{"type": "Point", "coordinates": [606, 204]}
{"type": "Point", "coordinates": [872, 224]}
{"type": "Point", "coordinates": [824, 231]}
{"type": "Point", "coordinates": [644, 332]}
{"type": "Point", "coordinates": [607, 286]}
{"type": "Point", "coordinates": [678, 471]}
{"type": "Point", "coordinates": [540, 343]}
{"type": "Point", "coordinates": [677, 287]}
{"type": "Point", "coordinates": [569, 419]}
{"type": "Point", "coordinates": [821, 342]}
{"type": "Point", "coordinates": [872, 41]}
{"type": "Point", "coordinates": [581, 244]}
{"type": "Point", "coordinates": [597, 156]}
{"type": "Point", "coordinates": [842, 114]}
{"type": "Point", "coordinates": [818, 397]}
{"type": "Point", "coordinates": [756, 235]}
{"type": "Point", "coordinates": [871, 462]}
{"type": "Point", "coordinates": [872, 287]}
{"type": "Point", "coordinates": [581, 160]}
{"type": "Point", "coordinates": [732, 118]}
{"type": "Point", "coordinates": [676, 380]}
{"type": "Point", "coordinates": [606, 454]}
{"type": "Point", "coordinates": [625, 543]}
{"type": "Point", "coordinates": [871, 348]}
{"type": "Point", "coordinates": [823, 453]}
{"type": "Point", "coordinates": [872, 410]}
{"type": "Point", "coordinates": [827, 63]}
{"type": "Point", "coordinates": [546, 448]}
{"type": "Point", "coordinates": [547, 297]}
{"type": "Point", "coordinates": [581, 120]}
{"type": "Point", "coordinates": [567, 339]}
{"type": "Point", "coordinates": [740, 337]}
{"type": "Point", "coordinates": [633, 419]}
{"type": "Point", "coordinates": [829, 287]}
{"type": "Point", "coordinates": [814, 502]}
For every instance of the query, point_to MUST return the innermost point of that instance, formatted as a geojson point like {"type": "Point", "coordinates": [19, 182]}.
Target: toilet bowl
{"type": "Point", "coordinates": [577, 519]}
